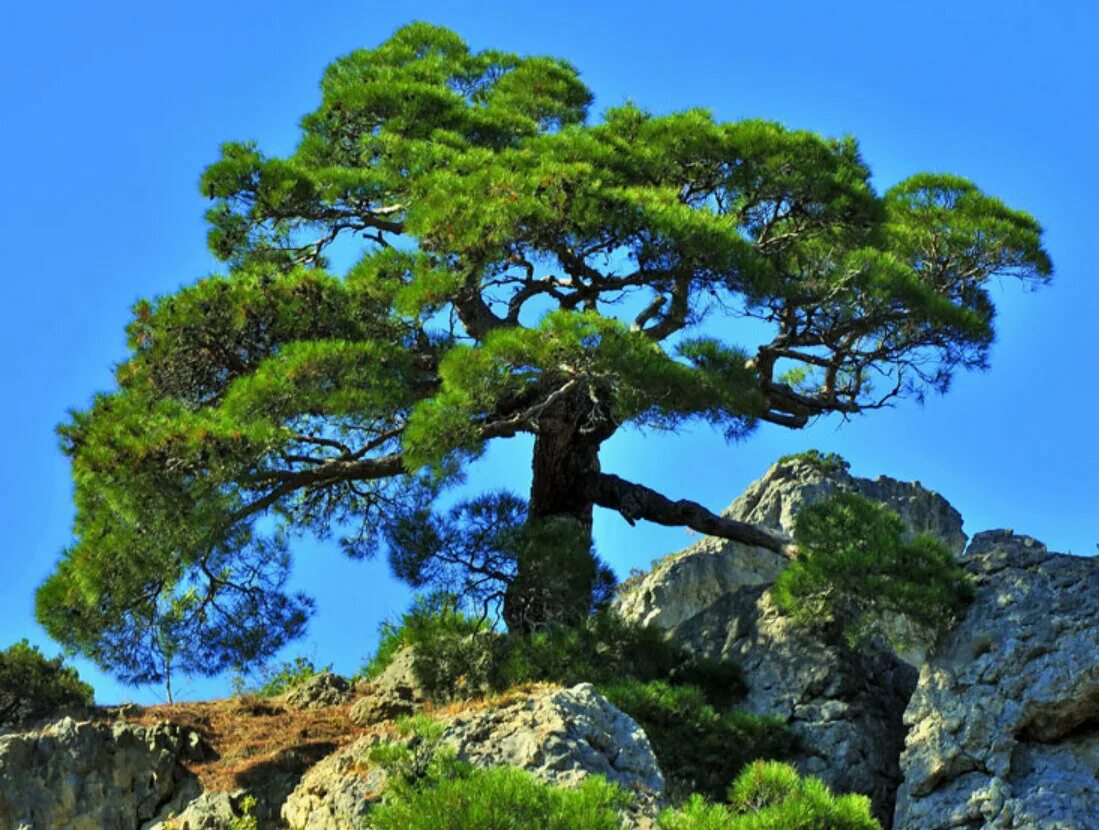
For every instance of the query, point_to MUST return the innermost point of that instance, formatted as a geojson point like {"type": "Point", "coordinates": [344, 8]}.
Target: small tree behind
{"type": "Point", "coordinates": [855, 569]}
{"type": "Point", "coordinates": [34, 686]}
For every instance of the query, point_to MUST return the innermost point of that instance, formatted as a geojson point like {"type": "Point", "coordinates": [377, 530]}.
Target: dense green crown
{"type": "Point", "coordinates": [506, 252]}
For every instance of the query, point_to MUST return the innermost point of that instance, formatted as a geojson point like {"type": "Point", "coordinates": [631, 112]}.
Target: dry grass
{"type": "Point", "coordinates": [496, 701]}
{"type": "Point", "coordinates": [252, 737]}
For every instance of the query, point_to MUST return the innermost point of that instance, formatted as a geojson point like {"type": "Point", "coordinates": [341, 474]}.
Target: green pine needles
{"type": "Point", "coordinates": [856, 569]}
{"type": "Point", "coordinates": [520, 268]}
{"type": "Point", "coordinates": [770, 795]}
{"type": "Point", "coordinates": [35, 686]}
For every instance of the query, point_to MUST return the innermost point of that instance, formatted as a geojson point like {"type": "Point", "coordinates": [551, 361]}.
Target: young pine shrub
{"type": "Point", "coordinates": [35, 686]}
{"type": "Point", "coordinates": [430, 789]}
{"type": "Point", "coordinates": [285, 676]}
{"type": "Point", "coordinates": [856, 570]}
{"type": "Point", "coordinates": [771, 796]}
{"type": "Point", "coordinates": [502, 798]}
{"type": "Point", "coordinates": [456, 655]}
{"type": "Point", "coordinates": [606, 649]}
{"type": "Point", "coordinates": [700, 749]}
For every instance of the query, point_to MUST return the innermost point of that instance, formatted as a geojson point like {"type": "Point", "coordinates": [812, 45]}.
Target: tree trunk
{"type": "Point", "coordinates": [557, 571]}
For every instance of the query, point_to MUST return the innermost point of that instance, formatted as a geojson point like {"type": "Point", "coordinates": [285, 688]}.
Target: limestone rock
{"type": "Point", "coordinates": [712, 597]}
{"type": "Point", "coordinates": [846, 705]}
{"type": "Point", "coordinates": [321, 690]}
{"type": "Point", "coordinates": [395, 692]}
{"type": "Point", "coordinates": [775, 499]}
{"type": "Point", "coordinates": [687, 582]}
{"type": "Point", "coordinates": [559, 735]}
{"type": "Point", "coordinates": [1004, 725]}
{"type": "Point", "coordinates": [337, 793]}
{"type": "Point", "coordinates": [210, 811]}
{"type": "Point", "coordinates": [82, 776]}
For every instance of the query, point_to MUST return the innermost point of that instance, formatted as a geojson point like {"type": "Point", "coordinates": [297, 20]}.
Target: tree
{"type": "Point", "coordinates": [519, 268]}
{"type": "Point", "coordinates": [856, 570]}
{"type": "Point", "coordinates": [34, 686]}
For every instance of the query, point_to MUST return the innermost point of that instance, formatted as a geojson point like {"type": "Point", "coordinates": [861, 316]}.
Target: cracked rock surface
{"type": "Point", "coordinates": [1004, 724]}
{"type": "Point", "coordinates": [559, 735]}
{"type": "Point", "coordinates": [82, 776]}
{"type": "Point", "coordinates": [321, 690]}
{"type": "Point", "coordinates": [846, 705]}
{"type": "Point", "coordinates": [338, 792]}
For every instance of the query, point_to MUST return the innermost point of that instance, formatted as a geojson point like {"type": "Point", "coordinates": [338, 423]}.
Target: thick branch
{"type": "Point", "coordinates": [635, 501]}
{"type": "Point", "coordinates": [334, 470]}
{"type": "Point", "coordinates": [476, 316]}
{"type": "Point", "coordinates": [675, 316]}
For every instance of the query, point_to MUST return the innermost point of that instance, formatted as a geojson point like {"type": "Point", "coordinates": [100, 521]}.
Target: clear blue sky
{"type": "Point", "coordinates": [111, 109]}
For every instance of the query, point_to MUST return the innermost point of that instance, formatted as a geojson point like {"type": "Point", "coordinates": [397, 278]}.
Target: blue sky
{"type": "Point", "coordinates": [111, 110]}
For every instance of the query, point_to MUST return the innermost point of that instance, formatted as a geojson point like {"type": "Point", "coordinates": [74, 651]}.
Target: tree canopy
{"type": "Point", "coordinates": [518, 267]}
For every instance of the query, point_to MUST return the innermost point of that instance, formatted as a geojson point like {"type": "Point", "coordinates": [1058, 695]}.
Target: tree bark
{"type": "Point", "coordinates": [564, 466]}
{"type": "Point", "coordinates": [635, 501]}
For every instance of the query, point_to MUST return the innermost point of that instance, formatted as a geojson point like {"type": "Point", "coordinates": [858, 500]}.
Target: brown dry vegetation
{"type": "Point", "coordinates": [254, 738]}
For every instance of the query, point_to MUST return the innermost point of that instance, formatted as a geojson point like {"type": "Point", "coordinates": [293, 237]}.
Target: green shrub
{"type": "Point", "coordinates": [456, 655]}
{"type": "Point", "coordinates": [247, 819]}
{"type": "Point", "coordinates": [34, 686]}
{"type": "Point", "coordinates": [771, 796]}
{"type": "Point", "coordinates": [700, 749]}
{"type": "Point", "coordinates": [417, 761]}
{"type": "Point", "coordinates": [430, 618]}
{"type": "Point", "coordinates": [429, 788]}
{"type": "Point", "coordinates": [606, 649]}
{"type": "Point", "coordinates": [828, 463]}
{"type": "Point", "coordinates": [285, 676]}
{"type": "Point", "coordinates": [500, 798]}
{"type": "Point", "coordinates": [856, 569]}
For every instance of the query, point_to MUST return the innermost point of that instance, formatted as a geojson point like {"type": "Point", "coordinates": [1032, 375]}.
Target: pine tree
{"type": "Point", "coordinates": [520, 268]}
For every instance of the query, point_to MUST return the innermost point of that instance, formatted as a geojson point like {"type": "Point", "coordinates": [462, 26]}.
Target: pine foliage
{"type": "Point", "coordinates": [519, 268]}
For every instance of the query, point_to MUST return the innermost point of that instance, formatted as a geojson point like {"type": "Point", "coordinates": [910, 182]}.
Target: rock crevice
{"type": "Point", "coordinates": [1003, 724]}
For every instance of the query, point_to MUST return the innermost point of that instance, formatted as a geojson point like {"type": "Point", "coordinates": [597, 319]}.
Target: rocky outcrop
{"type": "Point", "coordinates": [1004, 725]}
{"type": "Point", "coordinates": [396, 691]}
{"type": "Point", "coordinates": [316, 692]}
{"type": "Point", "coordinates": [559, 735]}
{"type": "Point", "coordinates": [338, 792]}
{"type": "Point", "coordinates": [82, 776]}
{"type": "Point", "coordinates": [775, 499]}
{"type": "Point", "coordinates": [210, 811]}
{"type": "Point", "coordinates": [687, 582]}
{"type": "Point", "coordinates": [844, 704]}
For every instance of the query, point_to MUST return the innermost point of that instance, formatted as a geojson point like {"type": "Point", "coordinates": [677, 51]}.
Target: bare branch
{"type": "Point", "coordinates": [635, 501]}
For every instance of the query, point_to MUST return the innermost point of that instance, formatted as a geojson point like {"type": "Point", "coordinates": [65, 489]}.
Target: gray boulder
{"type": "Point", "coordinates": [395, 692]}
{"type": "Point", "coordinates": [1004, 725]}
{"type": "Point", "coordinates": [319, 691]}
{"type": "Point", "coordinates": [338, 792]}
{"type": "Point", "coordinates": [559, 735]}
{"type": "Point", "coordinates": [83, 776]}
{"type": "Point", "coordinates": [210, 811]}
